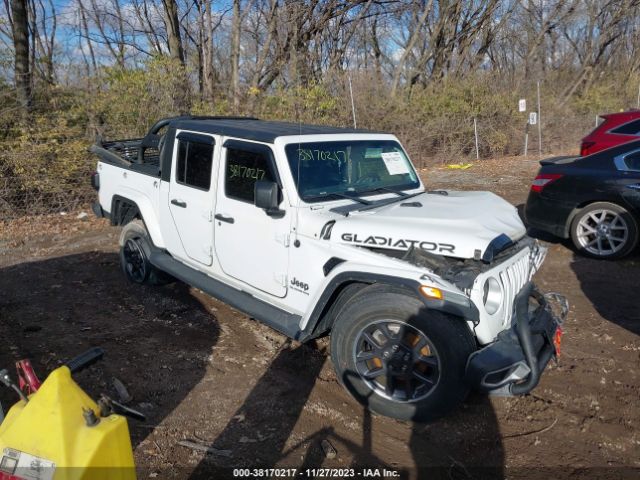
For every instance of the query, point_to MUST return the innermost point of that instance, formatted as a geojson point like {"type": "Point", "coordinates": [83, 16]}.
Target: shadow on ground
{"type": "Point", "coordinates": [613, 287]}
{"type": "Point", "coordinates": [157, 340]}
{"type": "Point", "coordinates": [465, 444]}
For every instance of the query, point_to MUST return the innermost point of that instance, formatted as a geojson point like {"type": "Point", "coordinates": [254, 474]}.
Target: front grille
{"type": "Point", "coordinates": [517, 275]}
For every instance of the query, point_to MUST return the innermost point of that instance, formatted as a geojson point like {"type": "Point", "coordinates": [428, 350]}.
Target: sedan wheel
{"type": "Point", "coordinates": [604, 230]}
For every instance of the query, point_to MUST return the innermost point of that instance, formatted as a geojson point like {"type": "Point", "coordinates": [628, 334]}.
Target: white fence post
{"type": "Point", "coordinates": [353, 105]}
{"type": "Point", "coordinates": [539, 123]}
{"type": "Point", "coordinates": [475, 130]}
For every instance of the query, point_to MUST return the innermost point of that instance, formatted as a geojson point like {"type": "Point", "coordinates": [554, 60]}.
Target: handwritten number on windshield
{"type": "Point", "coordinates": [319, 155]}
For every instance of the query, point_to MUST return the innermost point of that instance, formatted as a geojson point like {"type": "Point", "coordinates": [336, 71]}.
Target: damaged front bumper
{"type": "Point", "coordinates": [513, 364]}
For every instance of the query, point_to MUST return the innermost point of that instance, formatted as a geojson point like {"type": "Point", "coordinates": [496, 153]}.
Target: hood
{"type": "Point", "coordinates": [460, 224]}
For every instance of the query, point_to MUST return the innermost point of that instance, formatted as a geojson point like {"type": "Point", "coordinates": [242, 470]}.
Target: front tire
{"type": "Point", "coordinates": [135, 250]}
{"type": "Point", "coordinates": [397, 357]}
{"type": "Point", "coordinates": [604, 230]}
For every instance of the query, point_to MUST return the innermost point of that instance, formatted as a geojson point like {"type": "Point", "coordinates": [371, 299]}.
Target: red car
{"type": "Point", "coordinates": [617, 128]}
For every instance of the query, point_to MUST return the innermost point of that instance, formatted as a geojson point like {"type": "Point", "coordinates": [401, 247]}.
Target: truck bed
{"type": "Point", "coordinates": [125, 154]}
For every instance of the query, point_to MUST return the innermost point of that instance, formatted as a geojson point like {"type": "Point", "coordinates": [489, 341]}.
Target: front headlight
{"type": "Point", "coordinates": [492, 295]}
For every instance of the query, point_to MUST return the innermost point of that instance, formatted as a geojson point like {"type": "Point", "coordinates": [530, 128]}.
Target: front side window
{"type": "Point", "coordinates": [242, 171]}
{"type": "Point", "coordinates": [631, 128]}
{"type": "Point", "coordinates": [325, 169]}
{"type": "Point", "coordinates": [194, 164]}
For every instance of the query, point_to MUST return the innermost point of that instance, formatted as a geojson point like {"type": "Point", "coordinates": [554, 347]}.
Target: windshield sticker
{"type": "Point", "coordinates": [373, 153]}
{"type": "Point", "coordinates": [395, 163]}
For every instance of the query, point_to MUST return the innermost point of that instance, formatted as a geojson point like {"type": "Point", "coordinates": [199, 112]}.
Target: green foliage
{"type": "Point", "coordinates": [309, 104]}
{"type": "Point", "coordinates": [129, 101]}
{"type": "Point", "coordinates": [45, 161]}
{"type": "Point", "coordinates": [438, 119]}
{"type": "Point", "coordinates": [599, 99]}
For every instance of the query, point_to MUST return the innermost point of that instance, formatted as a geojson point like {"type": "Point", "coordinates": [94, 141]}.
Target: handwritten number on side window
{"type": "Point", "coordinates": [241, 171]}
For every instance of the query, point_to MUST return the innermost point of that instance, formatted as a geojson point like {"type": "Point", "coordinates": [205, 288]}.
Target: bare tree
{"type": "Point", "coordinates": [172, 23]}
{"type": "Point", "coordinates": [43, 27]}
{"type": "Point", "coordinates": [176, 51]}
{"type": "Point", "coordinates": [236, 30]}
{"type": "Point", "coordinates": [417, 22]}
{"type": "Point", "coordinates": [598, 40]}
{"type": "Point", "coordinates": [22, 72]}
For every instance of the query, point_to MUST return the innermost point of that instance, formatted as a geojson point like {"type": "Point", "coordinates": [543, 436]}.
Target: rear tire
{"type": "Point", "coordinates": [604, 230]}
{"type": "Point", "coordinates": [135, 250]}
{"type": "Point", "coordinates": [398, 358]}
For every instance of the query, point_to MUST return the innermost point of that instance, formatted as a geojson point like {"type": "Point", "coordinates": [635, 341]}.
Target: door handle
{"type": "Point", "coordinates": [635, 186]}
{"type": "Point", "coordinates": [179, 203]}
{"type": "Point", "coordinates": [222, 218]}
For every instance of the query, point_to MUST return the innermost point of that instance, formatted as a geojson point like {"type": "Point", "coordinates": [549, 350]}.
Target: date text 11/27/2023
{"type": "Point", "coordinates": [315, 473]}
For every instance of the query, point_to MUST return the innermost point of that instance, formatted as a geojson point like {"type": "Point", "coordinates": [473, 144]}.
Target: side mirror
{"type": "Point", "coordinates": [266, 197]}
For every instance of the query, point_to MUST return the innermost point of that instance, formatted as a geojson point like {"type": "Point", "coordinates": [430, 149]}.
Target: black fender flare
{"type": "Point", "coordinates": [319, 320]}
{"type": "Point", "coordinates": [123, 211]}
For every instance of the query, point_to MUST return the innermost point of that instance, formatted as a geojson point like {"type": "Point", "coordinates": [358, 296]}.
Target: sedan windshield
{"type": "Point", "coordinates": [324, 170]}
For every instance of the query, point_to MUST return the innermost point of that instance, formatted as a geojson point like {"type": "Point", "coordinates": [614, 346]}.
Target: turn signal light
{"type": "Point", "coordinates": [557, 340]}
{"type": "Point", "coordinates": [431, 292]}
{"type": "Point", "coordinates": [542, 180]}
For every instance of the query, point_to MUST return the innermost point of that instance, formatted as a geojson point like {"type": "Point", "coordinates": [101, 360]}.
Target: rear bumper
{"type": "Point", "coordinates": [513, 364]}
{"type": "Point", "coordinates": [547, 215]}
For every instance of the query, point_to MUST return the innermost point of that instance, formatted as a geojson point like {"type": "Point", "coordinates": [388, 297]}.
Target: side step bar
{"type": "Point", "coordinates": [280, 320]}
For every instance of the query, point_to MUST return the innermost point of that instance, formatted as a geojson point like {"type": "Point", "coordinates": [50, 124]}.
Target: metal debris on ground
{"type": "Point", "coordinates": [203, 448]}
{"type": "Point", "coordinates": [123, 393]}
{"type": "Point", "coordinates": [328, 449]}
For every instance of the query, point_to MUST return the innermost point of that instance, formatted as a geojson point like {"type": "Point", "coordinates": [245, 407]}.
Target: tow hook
{"type": "Point", "coordinates": [554, 298]}
{"type": "Point", "coordinates": [562, 304]}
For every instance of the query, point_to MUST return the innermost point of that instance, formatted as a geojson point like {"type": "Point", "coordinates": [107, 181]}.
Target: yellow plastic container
{"type": "Point", "coordinates": [48, 438]}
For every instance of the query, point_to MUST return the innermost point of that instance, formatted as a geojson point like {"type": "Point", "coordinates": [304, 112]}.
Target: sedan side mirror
{"type": "Point", "coordinates": [267, 197]}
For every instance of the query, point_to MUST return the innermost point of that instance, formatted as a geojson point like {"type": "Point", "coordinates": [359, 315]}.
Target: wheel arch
{"type": "Point", "coordinates": [347, 284]}
{"type": "Point", "coordinates": [582, 205]}
{"type": "Point", "coordinates": [126, 208]}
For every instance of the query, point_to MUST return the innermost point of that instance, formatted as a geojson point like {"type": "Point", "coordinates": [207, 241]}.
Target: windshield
{"type": "Point", "coordinates": [334, 169]}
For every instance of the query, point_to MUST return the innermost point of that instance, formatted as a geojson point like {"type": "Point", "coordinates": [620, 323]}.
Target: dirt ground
{"type": "Point", "coordinates": [204, 372]}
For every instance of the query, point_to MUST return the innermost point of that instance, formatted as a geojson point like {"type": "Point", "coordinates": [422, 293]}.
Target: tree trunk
{"type": "Point", "coordinates": [21, 46]}
{"type": "Point", "coordinates": [235, 55]}
{"type": "Point", "coordinates": [182, 100]}
{"type": "Point", "coordinates": [85, 33]}
{"type": "Point", "coordinates": [207, 54]}
{"type": "Point", "coordinates": [172, 23]}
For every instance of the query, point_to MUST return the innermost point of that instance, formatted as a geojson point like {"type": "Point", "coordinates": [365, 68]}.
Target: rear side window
{"type": "Point", "coordinates": [631, 128]}
{"type": "Point", "coordinates": [194, 164]}
{"type": "Point", "coordinates": [242, 171]}
{"type": "Point", "coordinates": [632, 161]}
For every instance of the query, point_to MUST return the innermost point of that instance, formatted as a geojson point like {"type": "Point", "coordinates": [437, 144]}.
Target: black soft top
{"type": "Point", "coordinates": [254, 129]}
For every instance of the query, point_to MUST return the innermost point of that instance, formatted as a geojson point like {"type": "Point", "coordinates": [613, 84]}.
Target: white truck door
{"type": "Point", "coordinates": [250, 245]}
{"type": "Point", "coordinates": [191, 195]}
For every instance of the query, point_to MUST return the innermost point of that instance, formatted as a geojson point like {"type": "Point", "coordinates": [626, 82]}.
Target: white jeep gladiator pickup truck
{"type": "Point", "coordinates": [315, 230]}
